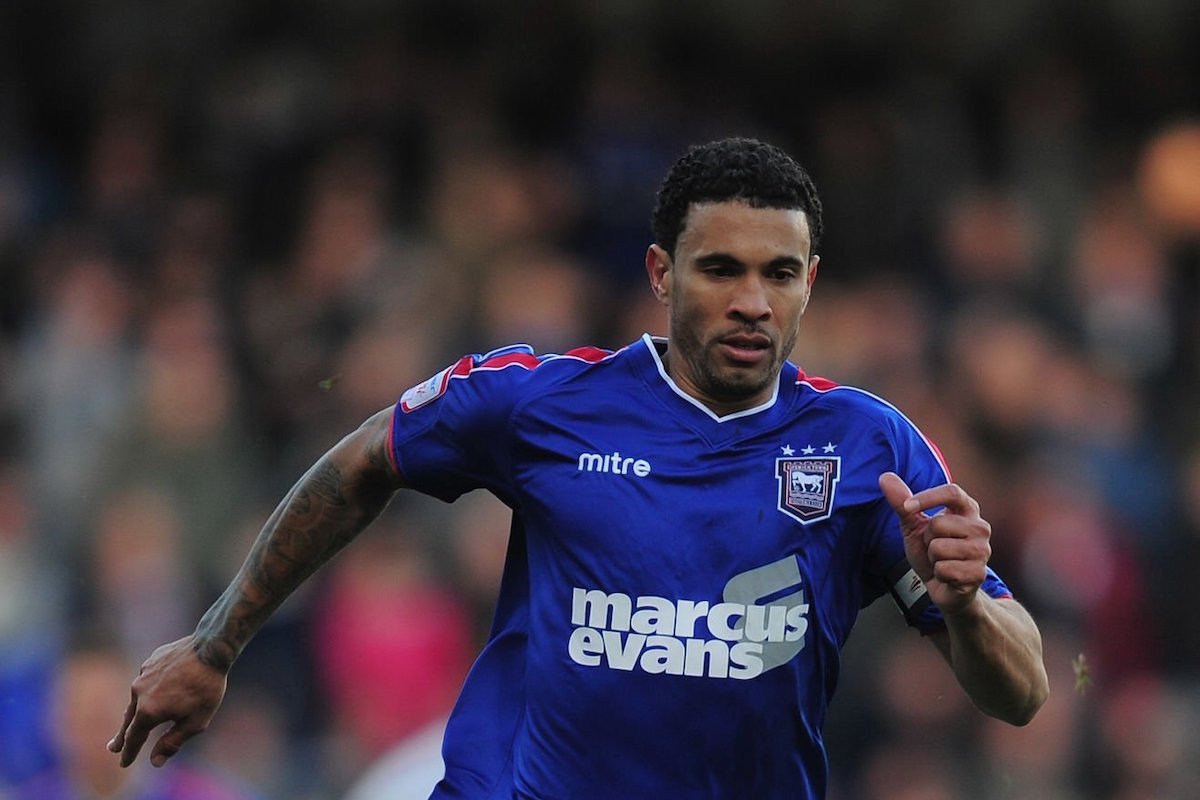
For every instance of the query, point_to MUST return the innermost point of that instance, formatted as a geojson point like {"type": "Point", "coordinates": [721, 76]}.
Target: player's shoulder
{"type": "Point", "coordinates": [582, 369]}
{"type": "Point", "coordinates": [514, 370]}
{"type": "Point", "coordinates": [870, 412]}
{"type": "Point", "coordinates": [523, 362]}
{"type": "Point", "coordinates": [831, 394]}
{"type": "Point", "coordinates": [871, 415]}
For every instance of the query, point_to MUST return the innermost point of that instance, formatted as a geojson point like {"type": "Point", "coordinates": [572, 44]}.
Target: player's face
{"type": "Point", "coordinates": [735, 292]}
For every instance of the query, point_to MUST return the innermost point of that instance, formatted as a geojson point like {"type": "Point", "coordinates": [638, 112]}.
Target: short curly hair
{"type": "Point", "coordinates": [742, 169]}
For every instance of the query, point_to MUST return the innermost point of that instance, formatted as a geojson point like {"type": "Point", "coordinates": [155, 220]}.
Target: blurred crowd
{"type": "Point", "coordinates": [230, 231]}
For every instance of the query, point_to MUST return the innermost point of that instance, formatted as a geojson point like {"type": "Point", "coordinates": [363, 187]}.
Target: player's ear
{"type": "Point", "coordinates": [658, 268]}
{"type": "Point", "coordinates": [810, 279]}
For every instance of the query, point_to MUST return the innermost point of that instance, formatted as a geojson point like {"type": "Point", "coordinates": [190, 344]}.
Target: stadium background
{"type": "Point", "coordinates": [229, 231]}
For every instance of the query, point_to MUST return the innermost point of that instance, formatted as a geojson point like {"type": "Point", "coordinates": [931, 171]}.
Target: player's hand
{"type": "Point", "coordinates": [949, 550]}
{"type": "Point", "coordinates": [173, 686]}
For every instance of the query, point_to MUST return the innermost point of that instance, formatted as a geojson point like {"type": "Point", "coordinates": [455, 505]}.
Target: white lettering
{"type": "Point", "coordinates": [663, 654]}
{"type": "Point", "coordinates": [585, 647]}
{"type": "Point", "coordinates": [688, 612]}
{"type": "Point", "coordinates": [590, 462]}
{"type": "Point", "coordinates": [654, 615]}
{"type": "Point", "coordinates": [613, 463]}
{"type": "Point", "coordinates": [745, 659]}
{"type": "Point", "coordinates": [719, 621]}
{"type": "Point", "coordinates": [758, 629]}
{"type": "Point", "coordinates": [659, 636]}
{"type": "Point", "coordinates": [601, 605]}
{"type": "Point", "coordinates": [797, 622]}
{"type": "Point", "coordinates": [713, 651]}
{"type": "Point", "coordinates": [622, 656]}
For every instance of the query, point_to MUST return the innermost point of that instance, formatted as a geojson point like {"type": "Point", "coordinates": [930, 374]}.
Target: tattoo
{"type": "Point", "coordinates": [335, 500]}
{"type": "Point", "coordinates": [377, 455]}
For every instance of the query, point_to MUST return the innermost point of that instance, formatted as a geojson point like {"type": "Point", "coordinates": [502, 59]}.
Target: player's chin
{"type": "Point", "coordinates": [740, 383]}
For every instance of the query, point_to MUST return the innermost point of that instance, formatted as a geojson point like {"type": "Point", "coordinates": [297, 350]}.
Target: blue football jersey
{"type": "Point", "coordinates": [678, 585]}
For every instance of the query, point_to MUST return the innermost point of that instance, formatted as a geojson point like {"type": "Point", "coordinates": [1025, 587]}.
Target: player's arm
{"type": "Point", "coordinates": [995, 650]}
{"type": "Point", "coordinates": [993, 645]}
{"type": "Point", "coordinates": [183, 682]}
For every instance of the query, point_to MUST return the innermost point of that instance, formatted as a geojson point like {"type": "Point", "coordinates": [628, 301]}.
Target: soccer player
{"type": "Point", "coordinates": [696, 524]}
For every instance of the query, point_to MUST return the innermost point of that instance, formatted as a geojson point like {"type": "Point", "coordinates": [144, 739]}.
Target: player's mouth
{"type": "Point", "coordinates": [746, 348]}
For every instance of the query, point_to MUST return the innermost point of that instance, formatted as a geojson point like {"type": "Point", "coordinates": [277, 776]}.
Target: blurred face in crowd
{"type": "Point", "coordinates": [735, 291]}
{"type": "Point", "coordinates": [92, 690]}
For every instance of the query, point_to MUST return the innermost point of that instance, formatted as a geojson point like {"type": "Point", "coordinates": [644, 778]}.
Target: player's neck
{"type": "Point", "coordinates": [720, 405]}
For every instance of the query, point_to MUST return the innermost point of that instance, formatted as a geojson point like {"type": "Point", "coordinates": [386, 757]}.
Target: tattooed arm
{"type": "Point", "coordinates": [184, 682]}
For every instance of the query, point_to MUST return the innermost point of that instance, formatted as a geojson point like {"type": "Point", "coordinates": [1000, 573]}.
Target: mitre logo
{"type": "Point", "coordinates": [738, 638]}
{"type": "Point", "coordinates": [807, 486]}
{"type": "Point", "coordinates": [613, 463]}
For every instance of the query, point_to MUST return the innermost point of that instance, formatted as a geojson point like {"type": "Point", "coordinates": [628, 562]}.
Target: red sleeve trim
{"type": "Point", "coordinates": [590, 354]}
{"type": "Point", "coordinates": [391, 446]}
{"type": "Point", "coordinates": [820, 384]}
{"type": "Point", "coordinates": [937, 454]}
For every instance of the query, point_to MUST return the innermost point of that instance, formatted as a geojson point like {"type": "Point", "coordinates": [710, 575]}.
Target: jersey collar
{"type": "Point", "coordinates": [657, 345]}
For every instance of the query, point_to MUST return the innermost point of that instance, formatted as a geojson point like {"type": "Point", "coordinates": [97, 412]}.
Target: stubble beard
{"type": "Point", "coordinates": [730, 385]}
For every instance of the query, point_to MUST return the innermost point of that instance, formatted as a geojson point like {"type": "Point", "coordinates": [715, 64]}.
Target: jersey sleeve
{"type": "Point", "coordinates": [918, 461]}
{"type": "Point", "coordinates": [450, 433]}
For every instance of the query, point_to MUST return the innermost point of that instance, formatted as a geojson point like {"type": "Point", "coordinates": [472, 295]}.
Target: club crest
{"type": "Point", "coordinates": [807, 486]}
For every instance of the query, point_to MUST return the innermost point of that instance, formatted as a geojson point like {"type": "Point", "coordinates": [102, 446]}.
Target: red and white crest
{"type": "Point", "coordinates": [807, 486]}
{"type": "Point", "coordinates": [426, 391]}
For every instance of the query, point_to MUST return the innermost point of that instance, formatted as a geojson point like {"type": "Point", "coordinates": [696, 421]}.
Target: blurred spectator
{"type": "Point", "coordinates": [1148, 741]}
{"type": "Point", "coordinates": [391, 648]}
{"type": "Point", "coordinates": [189, 439]}
{"type": "Point", "coordinates": [1080, 573]}
{"type": "Point", "coordinates": [905, 770]}
{"type": "Point", "coordinates": [999, 356]}
{"type": "Point", "coordinates": [251, 742]}
{"type": "Point", "coordinates": [865, 332]}
{"type": "Point", "coordinates": [479, 545]}
{"type": "Point", "coordinates": [124, 183]}
{"type": "Point", "coordinates": [990, 246]}
{"type": "Point", "coordinates": [485, 199]}
{"type": "Point", "coordinates": [1122, 282]}
{"type": "Point", "coordinates": [638, 312]}
{"type": "Point", "coordinates": [30, 597]}
{"type": "Point", "coordinates": [895, 685]}
{"type": "Point", "coordinates": [538, 296]}
{"type": "Point", "coordinates": [32, 622]}
{"type": "Point", "coordinates": [1039, 761]}
{"type": "Point", "coordinates": [1182, 644]}
{"type": "Point", "coordinates": [1168, 173]}
{"type": "Point", "coordinates": [274, 717]}
{"type": "Point", "coordinates": [410, 769]}
{"type": "Point", "coordinates": [76, 381]}
{"type": "Point", "coordinates": [88, 692]}
{"type": "Point", "coordinates": [350, 290]}
{"type": "Point", "coordinates": [855, 150]}
{"type": "Point", "coordinates": [628, 132]}
{"type": "Point", "coordinates": [143, 587]}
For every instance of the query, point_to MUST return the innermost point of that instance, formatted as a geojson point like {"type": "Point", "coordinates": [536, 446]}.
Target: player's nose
{"type": "Point", "coordinates": [749, 299]}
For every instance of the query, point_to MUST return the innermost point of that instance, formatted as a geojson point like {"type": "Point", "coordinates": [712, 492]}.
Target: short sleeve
{"type": "Point", "coordinates": [451, 434]}
{"type": "Point", "coordinates": [918, 461]}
